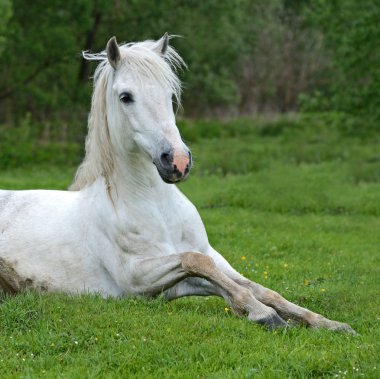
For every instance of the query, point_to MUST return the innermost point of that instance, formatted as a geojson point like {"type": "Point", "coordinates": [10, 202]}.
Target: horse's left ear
{"type": "Point", "coordinates": [162, 44]}
{"type": "Point", "coordinates": [113, 53]}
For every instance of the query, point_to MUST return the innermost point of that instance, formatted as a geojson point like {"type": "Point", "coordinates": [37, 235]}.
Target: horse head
{"type": "Point", "coordinates": [141, 105]}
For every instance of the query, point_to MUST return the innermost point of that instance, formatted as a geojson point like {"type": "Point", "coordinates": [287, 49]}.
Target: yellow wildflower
{"type": "Point", "coordinates": [243, 258]}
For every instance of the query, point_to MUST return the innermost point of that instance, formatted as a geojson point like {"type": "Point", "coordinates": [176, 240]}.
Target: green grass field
{"type": "Point", "coordinates": [293, 204]}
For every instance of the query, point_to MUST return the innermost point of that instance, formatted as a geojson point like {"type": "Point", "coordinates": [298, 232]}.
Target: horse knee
{"type": "Point", "coordinates": [197, 263]}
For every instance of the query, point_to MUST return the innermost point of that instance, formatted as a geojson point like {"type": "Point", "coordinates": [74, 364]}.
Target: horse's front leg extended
{"type": "Point", "coordinates": [284, 308]}
{"type": "Point", "coordinates": [289, 310]}
{"type": "Point", "coordinates": [154, 275]}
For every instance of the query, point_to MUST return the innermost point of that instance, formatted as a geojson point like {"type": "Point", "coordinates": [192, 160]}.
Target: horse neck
{"type": "Point", "coordinates": [135, 177]}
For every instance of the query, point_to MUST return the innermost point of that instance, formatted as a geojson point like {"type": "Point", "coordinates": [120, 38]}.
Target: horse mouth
{"type": "Point", "coordinates": [173, 175]}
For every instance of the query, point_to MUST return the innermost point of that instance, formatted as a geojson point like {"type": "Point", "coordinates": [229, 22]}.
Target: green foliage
{"type": "Point", "coordinates": [22, 146]}
{"type": "Point", "coordinates": [298, 198]}
{"type": "Point", "coordinates": [34, 143]}
{"type": "Point", "coordinates": [351, 33]}
{"type": "Point", "coordinates": [5, 15]}
{"type": "Point", "coordinates": [39, 62]}
{"type": "Point", "coordinates": [244, 56]}
{"type": "Point", "coordinates": [42, 71]}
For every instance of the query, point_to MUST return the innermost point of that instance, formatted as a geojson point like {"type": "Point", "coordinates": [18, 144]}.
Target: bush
{"type": "Point", "coordinates": [22, 146]}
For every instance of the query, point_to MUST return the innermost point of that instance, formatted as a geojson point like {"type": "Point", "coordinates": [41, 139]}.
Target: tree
{"type": "Point", "coordinates": [352, 33]}
{"type": "Point", "coordinates": [5, 15]}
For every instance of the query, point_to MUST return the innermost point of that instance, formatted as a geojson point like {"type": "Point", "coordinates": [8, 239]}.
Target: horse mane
{"type": "Point", "coordinates": [143, 61]}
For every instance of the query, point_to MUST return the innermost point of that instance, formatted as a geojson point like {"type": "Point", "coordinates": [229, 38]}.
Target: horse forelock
{"type": "Point", "coordinates": [142, 61]}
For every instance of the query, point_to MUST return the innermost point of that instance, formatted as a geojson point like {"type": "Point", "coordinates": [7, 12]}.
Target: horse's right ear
{"type": "Point", "coordinates": [113, 53]}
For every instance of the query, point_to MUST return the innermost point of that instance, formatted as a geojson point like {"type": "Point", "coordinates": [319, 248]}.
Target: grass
{"type": "Point", "coordinates": [292, 204]}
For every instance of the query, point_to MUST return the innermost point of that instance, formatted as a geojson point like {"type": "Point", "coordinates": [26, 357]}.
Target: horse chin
{"type": "Point", "coordinates": [171, 178]}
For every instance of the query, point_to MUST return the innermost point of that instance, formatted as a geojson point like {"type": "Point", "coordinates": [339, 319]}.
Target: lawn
{"type": "Point", "coordinates": [293, 204]}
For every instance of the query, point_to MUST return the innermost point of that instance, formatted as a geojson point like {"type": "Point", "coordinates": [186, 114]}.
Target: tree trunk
{"type": "Point", "coordinates": [90, 39]}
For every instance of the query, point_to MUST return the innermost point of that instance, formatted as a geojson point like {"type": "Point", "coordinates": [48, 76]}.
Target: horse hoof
{"type": "Point", "coordinates": [273, 322]}
{"type": "Point", "coordinates": [336, 326]}
{"type": "Point", "coordinates": [342, 327]}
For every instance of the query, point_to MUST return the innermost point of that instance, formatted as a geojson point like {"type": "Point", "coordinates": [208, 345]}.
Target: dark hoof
{"type": "Point", "coordinates": [342, 327]}
{"type": "Point", "coordinates": [273, 322]}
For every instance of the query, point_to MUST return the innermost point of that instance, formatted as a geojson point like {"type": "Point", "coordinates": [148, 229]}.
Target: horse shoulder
{"type": "Point", "coordinates": [193, 236]}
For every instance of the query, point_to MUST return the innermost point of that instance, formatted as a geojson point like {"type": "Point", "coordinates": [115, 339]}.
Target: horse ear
{"type": "Point", "coordinates": [162, 44]}
{"type": "Point", "coordinates": [113, 53]}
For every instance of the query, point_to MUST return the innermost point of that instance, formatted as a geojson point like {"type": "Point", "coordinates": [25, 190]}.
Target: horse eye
{"type": "Point", "coordinates": [126, 98]}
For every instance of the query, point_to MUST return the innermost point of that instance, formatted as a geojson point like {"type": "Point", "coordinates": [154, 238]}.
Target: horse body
{"type": "Point", "coordinates": [44, 239]}
{"type": "Point", "coordinates": [124, 228]}
{"type": "Point", "coordinates": [83, 242]}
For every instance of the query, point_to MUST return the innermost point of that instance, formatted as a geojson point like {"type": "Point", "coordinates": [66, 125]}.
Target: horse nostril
{"type": "Point", "coordinates": [166, 159]}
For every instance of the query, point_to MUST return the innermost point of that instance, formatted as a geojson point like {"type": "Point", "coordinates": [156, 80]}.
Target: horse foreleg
{"type": "Point", "coordinates": [289, 310]}
{"type": "Point", "coordinates": [284, 308]}
{"type": "Point", "coordinates": [154, 275]}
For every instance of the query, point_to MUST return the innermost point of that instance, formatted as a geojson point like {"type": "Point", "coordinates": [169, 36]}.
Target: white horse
{"type": "Point", "coordinates": [124, 228]}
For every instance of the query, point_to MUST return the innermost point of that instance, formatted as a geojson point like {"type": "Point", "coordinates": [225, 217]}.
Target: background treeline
{"type": "Point", "coordinates": [244, 57]}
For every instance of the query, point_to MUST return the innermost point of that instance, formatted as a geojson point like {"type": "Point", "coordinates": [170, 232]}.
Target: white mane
{"type": "Point", "coordinates": [143, 61]}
